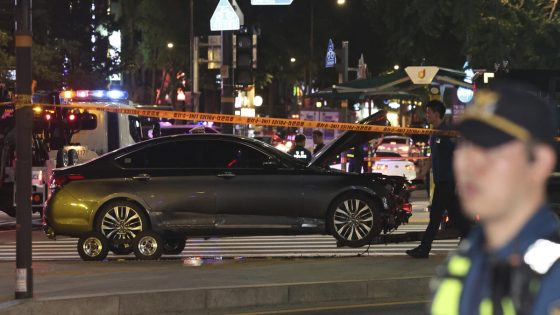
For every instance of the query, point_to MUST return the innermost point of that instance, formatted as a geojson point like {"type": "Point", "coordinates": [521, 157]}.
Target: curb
{"type": "Point", "coordinates": [223, 298]}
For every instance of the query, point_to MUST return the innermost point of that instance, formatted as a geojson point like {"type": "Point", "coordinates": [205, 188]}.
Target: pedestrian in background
{"type": "Point", "coordinates": [444, 197]}
{"type": "Point", "coordinates": [317, 141]}
{"type": "Point", "coordinates": [299, 151]}
{"type": "Point", "coordinates": [510, 263]}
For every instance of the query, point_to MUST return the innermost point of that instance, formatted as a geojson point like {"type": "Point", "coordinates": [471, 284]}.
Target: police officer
{"type": "Point", "coordinates": [299, 151]}
{"type": "Point", "coordinates": [444, 197]}
{"type": "Point", "coordinates": [318, 141]}
{"type": "Point", "coordinates": [510, 263]}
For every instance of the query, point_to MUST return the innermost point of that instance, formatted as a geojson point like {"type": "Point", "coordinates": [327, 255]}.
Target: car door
{"type": "Point", "coordinates": [251, 194]}
{"type": "Point", "coordinates": [168, 177]}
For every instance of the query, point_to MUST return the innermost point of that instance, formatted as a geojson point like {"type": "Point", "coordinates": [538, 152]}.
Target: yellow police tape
{"type": "Point", "coordinates": [261, 121]}
{"type": "Point", "coordinates": [23, 100]}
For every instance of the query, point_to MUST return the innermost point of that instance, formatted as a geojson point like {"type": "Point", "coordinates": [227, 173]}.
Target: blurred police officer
{"type": "Point", "coordinates": [444, 198]}
{"type": "Point", "coordinates": [318, 141]}
{"type": "Point", "coordinates": [299, 151]}
{"type": "Point", "coordinates": [509, 264]}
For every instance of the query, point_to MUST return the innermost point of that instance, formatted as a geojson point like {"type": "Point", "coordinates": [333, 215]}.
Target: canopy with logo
{"type": "Point", "coordinates": [400, 82]}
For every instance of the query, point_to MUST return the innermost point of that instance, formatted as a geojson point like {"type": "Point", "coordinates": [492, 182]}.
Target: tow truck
{"type": "Point", "coordinates": [63, 136]}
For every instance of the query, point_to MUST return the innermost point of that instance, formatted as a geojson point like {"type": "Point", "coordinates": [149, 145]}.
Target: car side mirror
{"type": "Point", "coordinates": [271, 164]}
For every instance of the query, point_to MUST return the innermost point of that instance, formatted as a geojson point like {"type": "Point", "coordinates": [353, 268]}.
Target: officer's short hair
{"type": "Point", "coordinates": [300, 138]}
{"type": "Point", "coordinates": [317, 133]}
{"type": "Point", "coordinates": [436, 106]}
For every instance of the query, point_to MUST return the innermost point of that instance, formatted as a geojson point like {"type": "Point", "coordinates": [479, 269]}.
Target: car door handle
{"type": "Point", "coordinates": [226, 175]}
{"type": "Point", "coordinates": [141, 177]}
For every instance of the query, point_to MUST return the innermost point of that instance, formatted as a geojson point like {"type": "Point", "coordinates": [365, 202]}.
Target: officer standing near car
{"type": "Point", "coordinates": [510, 263]}
{"type": "Point", "coordinates": [444, 196]}
{"type": "Point", "coordinates": [318, 141]}
{"type": "Point", "coordinates": [299, 151]}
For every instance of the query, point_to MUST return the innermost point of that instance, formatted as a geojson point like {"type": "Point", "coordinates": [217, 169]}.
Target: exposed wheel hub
{"type": "Point", "coordinates": [92, 247]}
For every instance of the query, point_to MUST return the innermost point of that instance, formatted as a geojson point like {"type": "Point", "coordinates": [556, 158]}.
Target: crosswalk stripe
{"type": "Point", "coordinates": [64, 248]}
{"type": "Point", "coordinates": [68, 251]}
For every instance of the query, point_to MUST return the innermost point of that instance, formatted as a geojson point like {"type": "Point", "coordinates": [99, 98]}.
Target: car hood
{"type": "Point", "coordinates": [350, 139]}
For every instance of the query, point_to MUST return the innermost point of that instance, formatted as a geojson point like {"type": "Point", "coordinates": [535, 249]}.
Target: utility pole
{"type": "Point", "coordinates": [310, 61]}
{"type": "Point", "coordinates": [228, 100]}
{"type": "Point", "coordinates": [342, 65]}
{"type": "Point", "coordinates": [24, 127]}
{"type": "Point", "coordinates": [195, 86]}
{"type": "Point", "coordinates": [193, 60]}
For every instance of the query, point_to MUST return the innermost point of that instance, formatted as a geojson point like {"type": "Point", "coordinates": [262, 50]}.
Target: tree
{"type": "Point", "coordinates": [446, 31]}
{"type": "Point", "coordinates": [7, 59]}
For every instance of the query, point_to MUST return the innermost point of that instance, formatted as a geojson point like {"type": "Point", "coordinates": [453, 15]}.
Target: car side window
{"type": "Point", "coordinates": [173, 154]}
{"type": "Point", "coordinates": [225, 154]}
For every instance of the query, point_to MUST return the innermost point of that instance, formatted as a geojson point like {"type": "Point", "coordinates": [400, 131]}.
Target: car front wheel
{"type": "Point", "coordinates": [121, 222]}
{"type": "Point", "coordinates": [354, 220]}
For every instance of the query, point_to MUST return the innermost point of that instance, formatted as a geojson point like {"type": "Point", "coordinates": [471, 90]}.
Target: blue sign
{"type": "Point", "coordinates": [271, 2]}
{"type": "Point", "coordinates": [224, 18]}
{"type": "Point", "coordinates": [330, 59]}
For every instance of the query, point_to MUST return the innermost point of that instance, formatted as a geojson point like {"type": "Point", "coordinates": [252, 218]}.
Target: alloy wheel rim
{"type": "Point", "coordinates": [353, 219]}
{"type": "Point", "coordinates": [147, 245]}
{"type": "Point", "coordinates": [121, 223]}
{"type": "Point", "coordinates": [92, 247]}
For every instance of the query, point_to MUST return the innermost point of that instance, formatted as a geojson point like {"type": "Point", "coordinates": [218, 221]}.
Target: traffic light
{"type": "Point", "coordinates": [244, 59]}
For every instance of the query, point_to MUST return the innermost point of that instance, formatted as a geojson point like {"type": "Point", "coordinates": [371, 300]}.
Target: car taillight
{"type": "Point", "coordinates": [407, 207]}
{"type": "Point", "coordinates": [36, 199]}
{"type": "Point", "coordinates": [60, 180]}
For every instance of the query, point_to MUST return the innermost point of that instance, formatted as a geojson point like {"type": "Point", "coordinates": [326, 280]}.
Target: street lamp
{"type": "Point", "coordinates": [341, 2]}
{"type": "Point", "coordinates": [292, 60]}
{"type": "Point", "coordinates": [396, 67]}
{"type": "Point", "coordinates": [170, 45]}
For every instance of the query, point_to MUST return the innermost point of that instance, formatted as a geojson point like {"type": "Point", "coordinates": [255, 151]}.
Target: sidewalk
{"type": "Point", "coordinates": [171, 286]}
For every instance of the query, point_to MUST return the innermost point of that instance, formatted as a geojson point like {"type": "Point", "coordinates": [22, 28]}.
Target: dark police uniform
{"type": "Point", "coordinates": [444, 197]}
{"type": "Point", "coordinates": [318, 147]}
{"type": "Point", "coordinates": [301, 153]}
{"type": "Point", "coordinates": [522, 277]}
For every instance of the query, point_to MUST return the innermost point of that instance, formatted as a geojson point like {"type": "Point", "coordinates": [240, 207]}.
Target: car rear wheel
{"type": "Point", "coordinates": [148, 245]}
{"type": "Point", "coordinates": [93, 246]}
{"type": "Point", "coordinates": [121, 222]}
{"type": "Point", "coordinates": [173, 246]}
{"type": "Point", "coordinates": [354, 220]}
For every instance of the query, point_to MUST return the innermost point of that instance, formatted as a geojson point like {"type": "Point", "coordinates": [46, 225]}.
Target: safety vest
{"type": "Point", "coordinates": [514, 287]}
